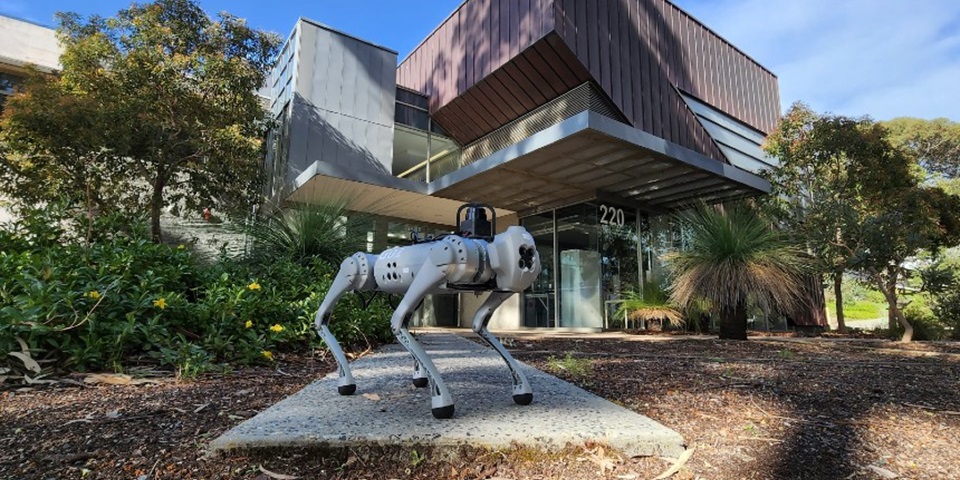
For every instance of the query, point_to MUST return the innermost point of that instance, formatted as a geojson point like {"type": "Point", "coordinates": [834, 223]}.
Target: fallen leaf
{"type": "Point", "coordinates": [79, 420]}
{"type": "Point", "coordinates": [882, 472]}
{"type": "Point", "coordinates": [372, 396]}
{"type": "Point", "coordinates": [201, 407]}
{"type": "Point", "coordinates": [108, 378]}
{"type": "Point", "coordinates": [28, 362]}
{"type": "Point", "coordinates": [113, 414]}
{"type": "Point", "coordinates": [681, 461]}
{"type": "Point", "coordinates": [117, 379]}
{"type": "Point", "coordinates": [277, 476]}
{"type": "Point", "coordinates": [38, 380]}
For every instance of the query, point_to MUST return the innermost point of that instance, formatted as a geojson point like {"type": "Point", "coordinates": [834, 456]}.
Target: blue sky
{"type": "Point", "coordinates": [884, 58]}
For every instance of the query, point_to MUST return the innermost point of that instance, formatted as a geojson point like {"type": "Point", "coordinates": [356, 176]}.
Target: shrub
{"type": "Point", "coordinates": [123, 299]}
{"type": "Point", "coordinates": [573, 366]}
{"type": "Point", "coordinates": [925, 325]}
{"type": "Point", "coordinates": [651, 304]}
{"type": "Point", "coordinates": [947, 310]}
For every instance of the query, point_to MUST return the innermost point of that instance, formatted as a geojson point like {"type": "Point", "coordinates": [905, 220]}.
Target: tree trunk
{"type": "Point", "coordinates": [733, 322]}
{"type": "Point", "coordinates": [894, 315]}
{"type": "Point", "coordinates": [156, 206]}
{"type": "Point", "coordinates": [838, 294]}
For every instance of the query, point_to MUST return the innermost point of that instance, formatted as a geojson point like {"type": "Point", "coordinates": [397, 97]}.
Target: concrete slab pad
{"type": "Point", "coordinates": [387, 410]}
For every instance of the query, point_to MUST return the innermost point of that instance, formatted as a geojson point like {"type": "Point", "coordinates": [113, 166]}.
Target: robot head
{"type": "Point", "coordinates": [514, 257]}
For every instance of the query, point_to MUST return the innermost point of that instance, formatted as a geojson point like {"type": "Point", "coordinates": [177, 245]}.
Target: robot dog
{"type": "Point", "coordinates": [473, 259]}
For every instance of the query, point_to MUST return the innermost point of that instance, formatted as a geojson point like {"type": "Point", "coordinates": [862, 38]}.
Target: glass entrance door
{"type": "Point", "coordinates": [588, 254]}
{"type": "Point", "coordinates": [619, 261]}
{"type": "Point", "coordinates": [540, 299]}
{"type": "Point", "coordinates": [579, 263]}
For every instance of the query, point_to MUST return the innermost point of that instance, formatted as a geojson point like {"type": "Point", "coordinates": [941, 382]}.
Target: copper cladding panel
{"type": "Point", "coordinates": [493, 60]}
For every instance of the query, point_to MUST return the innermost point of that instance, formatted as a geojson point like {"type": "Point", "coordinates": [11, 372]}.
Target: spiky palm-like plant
{"type": "Point", "coordinates": [734, 257]}
{"type": "Point", "coordinates": [652, 303]}
{"type": "Point", "coordinates": [304, 233]}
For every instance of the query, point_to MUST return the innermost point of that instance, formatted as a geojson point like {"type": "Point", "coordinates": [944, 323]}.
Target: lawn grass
{"type": "Point", "coordinates": [858, 310]}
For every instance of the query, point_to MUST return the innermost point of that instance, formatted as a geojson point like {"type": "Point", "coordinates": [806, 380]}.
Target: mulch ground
{"type": "Point", "coordinates": [774, 408]}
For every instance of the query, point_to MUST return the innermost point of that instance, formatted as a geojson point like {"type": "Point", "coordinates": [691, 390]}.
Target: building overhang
{"type": "Point", "coordinates": [584, 157]}
{"type": "Point", "coordinates": [592, 156]}
{"type": "Point", "coordinates": [375, 193]}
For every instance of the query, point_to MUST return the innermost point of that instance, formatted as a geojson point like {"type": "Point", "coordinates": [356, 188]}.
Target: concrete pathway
{"type": "Point", "coordinates": [388, 410]}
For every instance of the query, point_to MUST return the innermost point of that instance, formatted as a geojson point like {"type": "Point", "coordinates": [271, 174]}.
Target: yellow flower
{"type": "Point", "coordinates": [276, 328]}
{"type": "Point", "coordinates": [160, 303]}
{"type": "Point", "coordinates": [93, 294]}
{"type": "Point", "coordinates": [254, 286]}
{"type": "Point", "coordinates": [267, 354]}
{"type": "Point", "coordinates": [248, 324]}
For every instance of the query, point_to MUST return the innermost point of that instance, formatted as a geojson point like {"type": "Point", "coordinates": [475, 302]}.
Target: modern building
{"type": "Point", "coordinates": [585, 122]}
{"type": "Point", "coordinates": [23, 44]}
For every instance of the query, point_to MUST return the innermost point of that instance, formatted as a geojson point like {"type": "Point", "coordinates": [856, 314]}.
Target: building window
{"type": "Point", "coordinates": [590, 257]}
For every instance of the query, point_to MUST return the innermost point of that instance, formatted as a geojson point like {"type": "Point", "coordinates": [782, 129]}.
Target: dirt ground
{"type": "Point", "coordinates": [772, 407]}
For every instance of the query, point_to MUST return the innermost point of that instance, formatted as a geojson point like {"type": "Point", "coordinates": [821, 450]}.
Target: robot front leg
{"type": "Point", "coordinates": [522, 393]}
{"type": "Point", "coordinates": [427, 279]}
{"type": "Point", "coordinates": [343, 283]}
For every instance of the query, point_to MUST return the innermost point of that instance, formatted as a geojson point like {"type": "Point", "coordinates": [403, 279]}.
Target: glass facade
{"type": "Point", "coordinates": [591, 255]}
{"type": "Point", "coordinates": [8, 83]}
{"type": "Point", "coordinates": [419, 144]}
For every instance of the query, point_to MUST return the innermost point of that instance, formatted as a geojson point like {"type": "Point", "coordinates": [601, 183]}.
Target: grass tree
{"type": "Point", "coordinates": [651, 304]}
{"type": "Point", "coordinates": [733, 258]}
{"type": "Point", "coordinates": [306, 232]}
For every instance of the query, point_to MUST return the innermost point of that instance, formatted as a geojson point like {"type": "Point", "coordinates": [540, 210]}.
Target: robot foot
{"type": "Point", "coordinates": [421, 382]}
{"type": "Point", "coordinates": [347, 389]}
{"type": "Point", "coordinates": [443, 412]}
{"type": "Point", "coordinates": [523, 398]}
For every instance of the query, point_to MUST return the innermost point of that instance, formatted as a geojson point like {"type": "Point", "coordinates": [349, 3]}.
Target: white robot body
{"type": "Point", "coordinates": [506, 264]}
{"type": "Point", "coordinates": [470, 263]}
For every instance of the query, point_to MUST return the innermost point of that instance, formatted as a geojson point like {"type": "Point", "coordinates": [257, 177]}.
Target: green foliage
{"type": "Point", "coordinates": [651, 304]}
{"type": "Point", "coordinates": [941, 280]}
{"type": "Point", "coordinates": [125, 298]}
{"type": "Point", "coordinates": [935, 143]}
{"type": "Point", "coordinates": [734, 259]}
{"type": "Point", "coordinates": [947, 311]}
{"type": "Point", "coordinates": [154, 107]}
{"type": "Point", "coordinates": [306, 232]}
{"type": "Point", "coordinates": [852, 191]}
{"type": "Point", "coordinates": [571, 365]}
{"type": "Point", "coordinates": [925, 324]}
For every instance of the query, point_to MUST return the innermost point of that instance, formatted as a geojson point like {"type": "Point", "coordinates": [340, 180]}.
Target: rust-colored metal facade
{"type": "Point", "coordinates": [492, 61]}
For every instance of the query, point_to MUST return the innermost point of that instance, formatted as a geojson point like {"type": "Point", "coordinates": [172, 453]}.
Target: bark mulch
{"type": "Point", "coordinates": [777, 408]}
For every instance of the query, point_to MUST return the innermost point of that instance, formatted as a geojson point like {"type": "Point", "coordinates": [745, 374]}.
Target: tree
{"type": "Point", "coordinates": [829, 168]}
{"type": "Point", "coordinates": [734, 259]}
{"type": "Point", "coordinates": [935, 143]}
{"type": "Point", "coordinates": [857, 200]}
{"type": "Point", "coordinates": [154, 108]}
{"type": "Point", "coordinates": [899, 227]}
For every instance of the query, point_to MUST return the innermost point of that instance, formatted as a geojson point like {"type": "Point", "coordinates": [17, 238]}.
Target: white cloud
{"type": "Point", "coordinates": [884, 58]}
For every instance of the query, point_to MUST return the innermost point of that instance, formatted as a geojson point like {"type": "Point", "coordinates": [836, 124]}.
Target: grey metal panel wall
{"type": "Point", "coordinates": [343, 106]}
